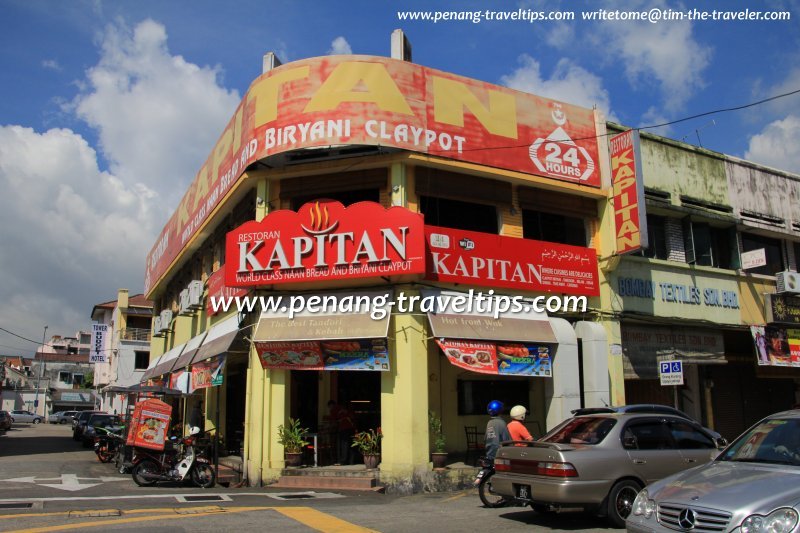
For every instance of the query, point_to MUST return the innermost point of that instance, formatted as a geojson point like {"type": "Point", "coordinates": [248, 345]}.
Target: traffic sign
{"type": "Point", "coordinates": [671, 372]}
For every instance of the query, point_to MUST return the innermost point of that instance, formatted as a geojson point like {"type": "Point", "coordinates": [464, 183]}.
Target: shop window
{"type": "Point", "coordinates": [141, 360]}
{"type": "Point", "coordinates": [475, 395]}
{"type": "Point", "coordinates": [551, 227]}
{"type": "Point", "coordinates": [457, 214]}
{"type": "Point", "coordinates": [656, 237]}
{"type": "Point", "coordinates": [772, 249]}
{"type": "Point", "coordinates": [706, 245]}
{"type": "Point", "coordinates": [345, 197]}
{"type": "Point", "coordinates": [64, 377]}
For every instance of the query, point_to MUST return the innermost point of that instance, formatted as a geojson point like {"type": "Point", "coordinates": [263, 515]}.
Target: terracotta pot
{"type": "Point", "coordinates": [439, 459]}
{"type": "Point", "coordinates": [371, 461]}
{"type": "Point", "coordinates": [294, 459]}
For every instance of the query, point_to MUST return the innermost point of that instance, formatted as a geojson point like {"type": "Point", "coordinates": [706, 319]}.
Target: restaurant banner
{"type": "Point", "coordinates": [377, 101]}
{"type": "Point", "coordinates": [776, 346]}
{"type": "Point", "coordinates": [208, 373]}
{"type": "Point", "coordinates": [325, 240]}
{"type": "Point", "coordinates": [511, 359]}
{"type": "Point", "coordinates": [783, 309]}
{"type": "Point", "coordinates": [363, 354]}
{"type": "Point", "coordinates": [218, 291]}
{"type": "Point", "coordinates": [630, 220]}
{"type": "Point", "coordinates": [149, 424]}
{"type": "Point", "coordinates": [180, 380]}
{"type": "Point", "coordinates": [472, 258]}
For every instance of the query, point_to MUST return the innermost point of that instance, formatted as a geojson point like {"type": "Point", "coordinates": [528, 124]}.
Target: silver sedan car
{"type": "Point", "coordinates": [752, 487]}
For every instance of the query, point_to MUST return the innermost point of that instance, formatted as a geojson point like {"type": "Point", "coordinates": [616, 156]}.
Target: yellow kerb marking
{"type": "Point", "coordinates": [320, 521]}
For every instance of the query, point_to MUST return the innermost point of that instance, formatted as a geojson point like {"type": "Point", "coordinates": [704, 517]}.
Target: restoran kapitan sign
{"type": "Point", "coordinates": [323, 240]}
{"type": "Point", "coordinates": [365, 100]}
{"type": "Point", "coordinates": [472, 258]}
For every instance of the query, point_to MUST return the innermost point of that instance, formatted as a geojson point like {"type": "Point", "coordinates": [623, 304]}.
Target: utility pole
{"type": "Point", "coordinates": [39, 379]}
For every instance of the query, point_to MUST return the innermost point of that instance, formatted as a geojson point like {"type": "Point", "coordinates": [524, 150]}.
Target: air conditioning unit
{"type": "Point", "coordinates": [788, 282]}
{"type": "Point", "coordinates": [161, 323]}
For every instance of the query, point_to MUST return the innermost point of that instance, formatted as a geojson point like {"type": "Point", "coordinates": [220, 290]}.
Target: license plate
{"type": "Point", "coordinates": [523, 492]}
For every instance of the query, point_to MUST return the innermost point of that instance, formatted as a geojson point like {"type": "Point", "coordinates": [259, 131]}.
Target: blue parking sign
{"type": "Point", "coordinates": [665, 368]}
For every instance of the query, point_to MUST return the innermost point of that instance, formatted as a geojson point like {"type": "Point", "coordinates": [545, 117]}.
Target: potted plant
{"type": "Point", "coordinates": [292, 437]}
{"type": "Point", "coordinates": [369, 444]}
{"type": "Point", "coordinates": [439, 455]}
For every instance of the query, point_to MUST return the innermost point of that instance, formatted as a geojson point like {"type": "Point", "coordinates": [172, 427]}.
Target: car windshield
{"type": "Point", "coordinates": [775, 441]}
{"type": "Point", "coordinates": [581, 430]}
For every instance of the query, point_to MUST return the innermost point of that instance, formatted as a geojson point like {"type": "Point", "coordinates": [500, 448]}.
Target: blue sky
{"type": "Point", "coordinates": [109, 108]}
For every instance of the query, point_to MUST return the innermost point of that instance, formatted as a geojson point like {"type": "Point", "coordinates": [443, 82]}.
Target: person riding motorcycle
{"type": "Point", "coordinates": [516, 429]}
{"type": "Point", "coordinates": [496, 429]}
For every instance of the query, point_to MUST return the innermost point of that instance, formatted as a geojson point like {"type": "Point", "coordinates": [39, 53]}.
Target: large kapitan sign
{"type": "Point", "coordinates": [629, 209]}
{"type": "Point", "coordinates": [323, 240]}
{"type": "Point", "coordinates": [473, 258]}
{"type": "Point", "coordinates": [364, 100]}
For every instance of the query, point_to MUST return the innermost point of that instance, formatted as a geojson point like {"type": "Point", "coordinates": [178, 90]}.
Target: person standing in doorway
{"type": "Point", "coordinates": [347, 430]}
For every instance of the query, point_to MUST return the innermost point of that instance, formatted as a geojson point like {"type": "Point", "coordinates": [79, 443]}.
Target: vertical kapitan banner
{"type": "Point", "coordinates": [97, 353]}
{"type": "Point", "coordinates": [630, 220]}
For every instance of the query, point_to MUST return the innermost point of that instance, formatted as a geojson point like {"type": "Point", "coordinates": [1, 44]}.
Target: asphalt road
{"type": "Point", "coordinates": [48, 482]}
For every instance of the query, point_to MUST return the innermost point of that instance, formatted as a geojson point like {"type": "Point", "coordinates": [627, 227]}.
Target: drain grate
{"type": "Point", "coordinates": [296, 496]}
{"type": "Point", "coordinates": [21, 505]}
{"type": "Point", "coordinates": [212, 498]}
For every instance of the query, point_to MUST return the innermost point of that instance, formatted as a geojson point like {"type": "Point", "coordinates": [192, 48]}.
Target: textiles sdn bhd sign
{"type": "Point", "coordinates": [324, 240]}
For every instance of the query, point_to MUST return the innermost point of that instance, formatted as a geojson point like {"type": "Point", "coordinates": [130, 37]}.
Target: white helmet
{"type": "Point", "coordinates": [518, 412]}
{"type": "Point", "coordinates": [194, 430]}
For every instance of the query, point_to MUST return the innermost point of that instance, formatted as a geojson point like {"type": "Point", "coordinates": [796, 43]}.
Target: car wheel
{"type": "Point", "coordinates": [12, 420]}
{"type": "Point", "coordinates": [37, 420]}
{"type": "Point", "coordinates": [620, 501]}
{"type": "Point", "coordinates": [62, 421]}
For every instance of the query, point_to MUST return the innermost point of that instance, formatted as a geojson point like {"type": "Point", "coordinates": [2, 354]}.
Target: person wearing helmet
{"type": "Point", "coordinates": [516, 428]}
{"type": "Point", "coordinates": [496, 429]}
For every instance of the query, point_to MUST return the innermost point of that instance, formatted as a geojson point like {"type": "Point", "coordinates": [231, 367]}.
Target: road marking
{"type": "Point", "coordinates": [69, 482]}
{"type": "Point", "coordinates": [320, 521]}
{"type": "Point", "coordinates": [305, 515]}
{"type": "Point", "coordinates": [161, 496]}
{"type": "Point", "coordinates": [457, 496]}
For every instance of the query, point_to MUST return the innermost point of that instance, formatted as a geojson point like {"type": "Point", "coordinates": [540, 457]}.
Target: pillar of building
{"type": "Point", "coordinates": [562, 392]}
{"type": "Point", "coordinates": [596, 385]}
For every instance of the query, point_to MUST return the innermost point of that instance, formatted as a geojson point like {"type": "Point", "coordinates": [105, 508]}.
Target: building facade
{"type": "Point", "coordinates": [353, 177]}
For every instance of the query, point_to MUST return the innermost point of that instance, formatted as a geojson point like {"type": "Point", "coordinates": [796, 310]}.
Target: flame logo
{"type": "Point", "coordinates": [319, 220]}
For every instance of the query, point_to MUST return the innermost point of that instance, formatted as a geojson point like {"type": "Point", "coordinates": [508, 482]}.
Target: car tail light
{"type": "Point", "coordinates": [557, 470]}
{"type": "Point", "coordinates": [188, 441]}
{"type": "Point", "coordinates": [502, 465]}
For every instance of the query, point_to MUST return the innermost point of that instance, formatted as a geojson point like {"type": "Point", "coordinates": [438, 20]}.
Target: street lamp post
{"type": "Point", "coordinates": [39, 379]}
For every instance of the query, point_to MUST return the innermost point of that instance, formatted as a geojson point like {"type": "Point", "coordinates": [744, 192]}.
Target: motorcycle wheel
{"type": "Point", "coordinates": [488, 496]}
{"type": "Point", "coordinates": [104, 456]}
{"type": "Point", "coordinates": [145, 467]}
{"type": "Point", "coordinates": [203, 475]}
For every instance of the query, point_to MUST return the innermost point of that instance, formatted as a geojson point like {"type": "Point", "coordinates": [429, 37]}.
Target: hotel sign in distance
{"type": "Point", "coordinates": [323, 240]}
{"type": "Point", "coordinates": [365, 100]}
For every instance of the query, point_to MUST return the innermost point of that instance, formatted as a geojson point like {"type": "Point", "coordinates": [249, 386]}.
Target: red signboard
{"type": "Point", "coordinates": [217, 290]}
{"type": "Point", "coordinates": [626, 171]}
{"type": "Point", "coordinates": [291, 355]}
{"type": "Point", "coordinates": [473, 258]}
{"type": "Point", "coordinates": [324, 240]}
{"type": "Point", "coordinates": [364, 100]}
{"type": "Point", "coordinates": [512, 359]}
{"type": "Point", "coordinates": [149, 424]}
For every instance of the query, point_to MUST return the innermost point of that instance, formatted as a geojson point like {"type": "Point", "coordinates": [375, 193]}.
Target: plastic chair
{"type": "Point", "coordinates": [473, 446]}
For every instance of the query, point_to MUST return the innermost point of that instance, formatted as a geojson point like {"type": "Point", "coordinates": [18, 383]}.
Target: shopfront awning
{"type": "Point", "coordinates": [347, 316]}
{"type": "Point", "coordinates": [454, 317]}
{"type": "Point", "coordinates": [73, 399]}
{"type": "Point", "coordinates": [221, 338]}
{"type": "Point", "coordinates": [166, 362]}
{"type": "Point", "coordinates": [189, 352]}
{"type": "Point", "coordinates": [644, 347]}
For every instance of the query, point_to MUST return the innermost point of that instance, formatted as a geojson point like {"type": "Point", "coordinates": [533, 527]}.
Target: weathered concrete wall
{"type": "Point", "coordinates": [758, 190]}
{"type": "Point", "coordinates": [696, 173]}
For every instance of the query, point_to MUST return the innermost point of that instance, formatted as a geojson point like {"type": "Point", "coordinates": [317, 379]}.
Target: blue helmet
{"type": "Point", "coordinates": [494, 408]}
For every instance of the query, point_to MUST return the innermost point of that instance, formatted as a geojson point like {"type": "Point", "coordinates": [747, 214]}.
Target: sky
{"type": "Point", "coordinates": [109, 108]}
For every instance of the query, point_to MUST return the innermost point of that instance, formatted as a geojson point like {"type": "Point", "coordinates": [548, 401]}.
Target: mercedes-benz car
{"type": "Point", "coordinates": [752, 486]}
{"type": "Point", "coordinates": [600, 462]}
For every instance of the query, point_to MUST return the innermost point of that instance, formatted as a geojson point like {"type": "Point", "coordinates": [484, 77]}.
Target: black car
{"type": "Point", "coordinates": [97, 420]}
{"type": "Point", "coordinates": [79, 423]}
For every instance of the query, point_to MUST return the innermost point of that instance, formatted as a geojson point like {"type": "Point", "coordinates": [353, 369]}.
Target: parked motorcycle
{"type": "Point", "coordinates": [107, 441]}
{"type": "Point", "coordinates": [483, 480]}
{"type": "Point", "coordinates": [151, 467]}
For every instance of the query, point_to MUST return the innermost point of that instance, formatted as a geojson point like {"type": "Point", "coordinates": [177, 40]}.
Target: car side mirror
{"type": "Point", "coordinates": [721, 442]}
{"type": "Point", "coordinates": [629, 443]}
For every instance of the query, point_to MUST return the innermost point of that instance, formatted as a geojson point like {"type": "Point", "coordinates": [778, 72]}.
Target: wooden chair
{"type": "Point", "coordinates": [473, 446]}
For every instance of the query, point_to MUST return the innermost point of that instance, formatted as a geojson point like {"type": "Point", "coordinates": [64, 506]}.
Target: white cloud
{"type": "Point", "coordinates": [776, 145]}
{"type": "Point", "coordinates": [51, 64]}
{"type": "Point", "coordinates": [340, 46]}
{"type": "Point", "coordinates": [158, 116]}
{"type": "Point", "coordinates": [568, 83]}
{"type": "Point", "coordinates": [665, 54]}
{"type": "Point", "coordinates": [74, 232]}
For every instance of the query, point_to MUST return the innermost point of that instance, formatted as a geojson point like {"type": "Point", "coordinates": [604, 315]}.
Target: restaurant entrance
{"type": "Point", "coordinates": [361, 391]}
